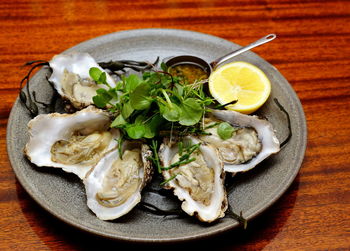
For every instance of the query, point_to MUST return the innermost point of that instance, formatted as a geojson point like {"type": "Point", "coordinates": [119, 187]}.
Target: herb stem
{"type": "Point", "coordinates": [170, 179]}
{"type": "Point", "coordinates": [167, 98]}
{"type": "Point", "coordinates": [178, 163]}
{"type": "Point", "coordinates": [154, 147]}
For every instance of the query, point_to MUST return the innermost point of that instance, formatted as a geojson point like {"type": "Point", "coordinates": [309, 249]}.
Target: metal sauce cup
{"type": "Point", "coordinates": [209, 67]}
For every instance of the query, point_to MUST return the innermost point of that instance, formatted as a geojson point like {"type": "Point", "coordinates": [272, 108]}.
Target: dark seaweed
{"type": "Point", "coordinates": [284, 142]}
{"type": "Point", "coordinates": [120, 66]}
{"type": "Point", "coordinates": [27, 97]}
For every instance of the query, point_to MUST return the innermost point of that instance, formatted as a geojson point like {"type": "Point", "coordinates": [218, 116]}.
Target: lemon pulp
{"type": "Point", "coordinates": [240, 81]}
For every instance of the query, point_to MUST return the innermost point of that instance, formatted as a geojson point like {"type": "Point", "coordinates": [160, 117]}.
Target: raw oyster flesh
{"type": "Point", "coordinates": [114, 185]}
{"type": "Point", "coordinates": [252, 141]}
{"type": "Point", "coordinates": [73, 142]}
{"type": "Point", "coordinates": [200, 183]}
{"type": "Point", "coordinates": [70, 77]}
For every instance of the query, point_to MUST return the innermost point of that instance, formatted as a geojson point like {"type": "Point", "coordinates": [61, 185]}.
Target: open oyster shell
{"type": "Point", "coordinates": [254, 141]}
{"type": "Point", "coordinates": [70, 77]}
{"type": "Point", "coordinates": [73, 142]}
{"type": "Point", "coordinates": [199, 184]}
{"type": "Point", "coordinates": [114, 185]}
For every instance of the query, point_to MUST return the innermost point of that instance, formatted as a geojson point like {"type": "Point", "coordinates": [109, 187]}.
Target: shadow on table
{"type": "Point", "coordinates": [57, 234]}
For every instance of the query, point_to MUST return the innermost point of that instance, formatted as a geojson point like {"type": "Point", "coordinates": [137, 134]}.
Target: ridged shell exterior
{"type": "Point", "coordinates": [46, 129]}
{"type": "Point", "coordinates": [218, 205]}
{"type": "Point", "coordinates": [94, 181]}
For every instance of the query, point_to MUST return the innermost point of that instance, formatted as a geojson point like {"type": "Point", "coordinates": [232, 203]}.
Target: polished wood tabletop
{"type": "Point", "coordinates": [312, 52]}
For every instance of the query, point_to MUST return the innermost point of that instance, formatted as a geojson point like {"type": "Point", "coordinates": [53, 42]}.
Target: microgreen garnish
{"type": "Point", "coordinates": [120, 146]}
{"type": "Point", "coordinates": [155, 159]}
{"type": "Point", "coordinates": [170, 179]}
{"type": "Point", "coordinates": [225, 130]}
{"type": "Point", "coordinates": [212, 125]}
{"type": "Point", "coordinates": [185, 157]}
{"type": "Point", "coordinates": [156, 95]}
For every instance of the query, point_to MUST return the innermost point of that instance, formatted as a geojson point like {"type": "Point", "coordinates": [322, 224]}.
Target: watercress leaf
{"type": "Point", "coordinates": [104, 94]}
{"type": "Point", "coordinates": [140, 119]}
{"type": "Point", "coordinates": [146, 75]}
{"type": "Point", "coordinates": [127, 110]}
{"type": "Point", "coordinates": [118, 121]}
{"type": "Point", "coordinates": [113, 92]}
{"type": "Point", "coordinates": [95, 73]}
{"type": "Point", "coordinates": [191, 113]}
{"type": "Point", "coordinates": [154, 79]}
{"type": "Point", "coordinates": [99, 101]}
{"type": "Point", "coordinates": [208, 101]}
{"type": "Point", "coordinates": [179, 89]}
{"type": "Point", "coordinates": [225, 130]}
{"type": "Point", "coordinates": [103, 78]}
{"type": "Point", "coordinates": [139, 98]}
{"type": "Point", "coordinates": [136, 131]}
{"type": "Point", "coordinates": [101, 91]}
{"type": "Point", "coordinates": [170, 113]}
{"type": "Point", "coordinates": [131, 82]}
{"type": "Point", "coordinates": [120, 86]}
{"type": "Point", "coordinates": [152, 126]}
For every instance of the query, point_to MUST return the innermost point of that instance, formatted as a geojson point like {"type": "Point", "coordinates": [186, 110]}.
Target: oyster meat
{"type": "Point", "coordinates": [70, 77]}
{"type": "Point", "coordinates": [241, 147]}
{"type": "Point", "coordinates": [199, 183]}
{"type": "Point", "coordinates": [74, 142]}
{"type": "Point", "coordinates": [114, 185]}
{"type": "Point", "coordinates": [252, 141]}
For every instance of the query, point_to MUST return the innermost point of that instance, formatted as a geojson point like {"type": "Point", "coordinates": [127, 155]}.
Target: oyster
{"type": "Point", "coordinates": [73, 142]}
{"type": "Point", "coordinates": [114, 185]}
{"type": "Point", "coordinates": [70, 77]}
{"type": "Point", "coordinates": [200, 183]}
{"type": "Point", "coordinates": [252, 141]}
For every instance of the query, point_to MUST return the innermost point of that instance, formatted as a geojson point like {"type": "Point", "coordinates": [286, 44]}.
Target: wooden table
{"type": "Point", "coordinates": [312, 52]}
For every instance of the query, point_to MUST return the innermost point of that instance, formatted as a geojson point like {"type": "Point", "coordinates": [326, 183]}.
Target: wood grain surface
{"type": "Point", "coordinates": [312, 51]}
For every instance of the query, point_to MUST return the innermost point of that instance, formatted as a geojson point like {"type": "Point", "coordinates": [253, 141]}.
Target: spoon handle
{"type": "Point", "coordinates": [261, 41]}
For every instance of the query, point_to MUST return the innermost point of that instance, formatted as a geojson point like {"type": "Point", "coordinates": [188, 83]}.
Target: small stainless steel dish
{"type": "Point", "coordinates": [174, 61]}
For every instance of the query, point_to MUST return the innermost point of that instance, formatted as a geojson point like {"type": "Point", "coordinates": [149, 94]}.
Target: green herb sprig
{"type": "Point", "coordinates": [185, 155]}
{"type": "Point", "coordinates": [142, 104]}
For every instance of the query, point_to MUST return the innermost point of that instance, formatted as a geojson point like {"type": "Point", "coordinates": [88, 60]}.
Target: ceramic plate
{"type": "Point", "coordinates": [63, 194]}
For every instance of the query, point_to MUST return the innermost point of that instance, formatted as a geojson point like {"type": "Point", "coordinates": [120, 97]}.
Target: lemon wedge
{"type": "Point", "coordinates": [240, 81]}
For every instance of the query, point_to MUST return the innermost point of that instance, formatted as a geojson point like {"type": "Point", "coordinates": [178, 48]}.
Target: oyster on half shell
{"type": "Point", "coordinates": [70, 77]}
{"type": "Point", "coordinates": [74, 142]}
{"type": "Point", "coordinates": [114, 185]}
{"type": "Point", "coordinates": [200, 183]}
{"type": "Point", "coordinates": [253, 140]}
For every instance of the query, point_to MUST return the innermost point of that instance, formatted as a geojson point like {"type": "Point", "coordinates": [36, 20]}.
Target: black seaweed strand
{"type": "Point", "coordinates": [25, 96]}
{"type": "Point", "coordinates": [157, 211]}
{"type": "Point", "coordinates": [288, 120]}
{"type": "Point", "coordinates": [121, 65]}
{"type": "Point", "coordinates": [238, 217]}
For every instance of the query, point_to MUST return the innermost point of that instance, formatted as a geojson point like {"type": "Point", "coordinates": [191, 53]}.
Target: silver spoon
{"type": "Point", "coordinates": [230, 55]}
{"type": "Point", "coordinates": [187, 59]}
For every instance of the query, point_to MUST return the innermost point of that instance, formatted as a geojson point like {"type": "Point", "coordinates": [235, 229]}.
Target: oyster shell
{"type": "Point", "coordinates": [114, 185]}
{"type": "Point", "coordinates": [252, 142]}
{"type": "Point", "coordinates": [200, 183]}
{"type": "Point", "coordinates": [70, 77]}
{"type": "Point", "coordinates": [73, 142]}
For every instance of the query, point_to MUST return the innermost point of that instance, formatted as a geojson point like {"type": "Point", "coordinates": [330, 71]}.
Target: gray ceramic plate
{"type": "Point", "coordinates": [63, 194]}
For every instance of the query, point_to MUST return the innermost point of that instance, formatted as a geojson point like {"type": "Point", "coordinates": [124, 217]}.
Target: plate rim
{"type": "Point", "coordinates": [214, 232]}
